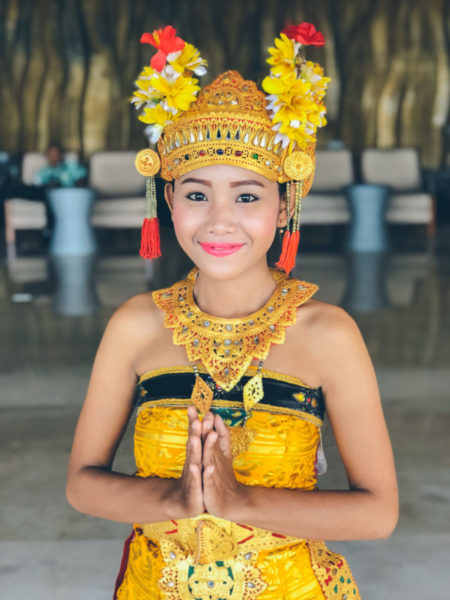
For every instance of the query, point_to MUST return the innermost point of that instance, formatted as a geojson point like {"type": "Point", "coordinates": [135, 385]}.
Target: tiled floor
{"type": "Point", "coordinates": [52, 316]}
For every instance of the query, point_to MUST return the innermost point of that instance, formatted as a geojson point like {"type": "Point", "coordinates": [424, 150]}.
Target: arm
{"type": "Point", "coordinates": [369, 509]}
{"type": "Point", "coordinates": [92, 486]}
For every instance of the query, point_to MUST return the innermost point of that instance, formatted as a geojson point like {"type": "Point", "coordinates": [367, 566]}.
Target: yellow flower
{"type": "Point", "coordinates": [313, 73]}
{"type": "Point", "coordinates": [157, 118]}
{"type": "Point", "coordinates": [156, 115]}
{"type": "Point", "coordinates": [296, 111]}
{"type": "Point", "coordinates": [177, 94]}
{"type": "Point", "coordinates": [286, 88]}
{"type": "Point", "coordinates": [146, 92]}
{"type": "Point", "coordinates": [283, 57]}
{"type": "Point", "coordinates": [188, 59]}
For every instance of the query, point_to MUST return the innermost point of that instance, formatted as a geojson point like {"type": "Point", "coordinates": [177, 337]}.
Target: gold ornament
{"type": "Point", "coordinates": [228, 124]}
{"type": "Point", "coordinates": [253, 392]}
{"type": "Point", "coordinates": [184, 578]}
{"type": "Point", "coordinates": [202, 395]}
{"type": "Point", "coordinates": [298, 165]}
{"type": "Point", "coordinates": [227, 347]}
{"type": "Point", "coordinates": [147, 162]}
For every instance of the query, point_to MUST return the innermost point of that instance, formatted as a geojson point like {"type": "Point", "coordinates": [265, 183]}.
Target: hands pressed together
{"type": "Point", "coordinates": [208, 482]}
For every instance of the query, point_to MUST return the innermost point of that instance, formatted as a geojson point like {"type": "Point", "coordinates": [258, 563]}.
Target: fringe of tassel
{"type": "Point", "coordinates": [289, 251]}
{"type": "Point", "coordinates": [150, 241]}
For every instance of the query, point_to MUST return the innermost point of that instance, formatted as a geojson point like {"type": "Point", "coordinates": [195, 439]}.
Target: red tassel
{"type": "Point", "coordinates": [150, 244]}
{"type": "Point", "coordinates": [284, 247]}
{"type": "Point", "coordinates": [287, 259]}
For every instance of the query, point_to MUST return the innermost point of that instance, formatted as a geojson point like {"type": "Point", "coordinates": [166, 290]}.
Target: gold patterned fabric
{"type": "Point", "coordinates": [207, 558]}
{"type": "Point", "coordinates": [276, 442]}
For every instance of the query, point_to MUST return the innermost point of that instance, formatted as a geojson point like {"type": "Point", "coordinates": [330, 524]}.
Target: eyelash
{"type": "Point", "coordinates": [249, 197]}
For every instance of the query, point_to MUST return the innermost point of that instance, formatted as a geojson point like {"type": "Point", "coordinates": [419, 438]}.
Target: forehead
{"type": "Point", "coordinates": [226, 174]}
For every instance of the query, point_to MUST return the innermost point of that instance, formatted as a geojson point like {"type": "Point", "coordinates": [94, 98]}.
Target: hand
{"type": "Point", "coordinates": [223, 495]}
{"type": "Point", "coordinates": [187, 494]}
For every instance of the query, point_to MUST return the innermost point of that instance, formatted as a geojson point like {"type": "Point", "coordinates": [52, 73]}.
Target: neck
{"type": "Point", "coordinates": [237, 297]}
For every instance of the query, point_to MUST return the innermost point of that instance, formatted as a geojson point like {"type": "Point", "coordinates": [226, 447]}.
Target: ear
{"type": "Point", "coordinates": [283, 217]}
{"type": "Point", "coordinates": [168, 195]}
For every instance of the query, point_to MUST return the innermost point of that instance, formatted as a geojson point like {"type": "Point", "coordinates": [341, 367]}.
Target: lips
{"type": "Point", "coordinates": [220, 249]}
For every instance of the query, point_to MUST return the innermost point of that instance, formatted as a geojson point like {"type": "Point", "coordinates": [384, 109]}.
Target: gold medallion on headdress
{"type": "Point", "coordinates": [298, 166]}
{"type": "Point", "coordinates": [147, 162]}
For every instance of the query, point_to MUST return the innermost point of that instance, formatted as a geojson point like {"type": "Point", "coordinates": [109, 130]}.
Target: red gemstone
{"type": "Point", "coordinates": [238, 152]}
{"type": "Point", "coordinates": [201, 153]}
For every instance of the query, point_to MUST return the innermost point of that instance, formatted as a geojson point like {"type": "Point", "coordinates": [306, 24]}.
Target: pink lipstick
{"type": "Point", "coordinates": [220, 249]}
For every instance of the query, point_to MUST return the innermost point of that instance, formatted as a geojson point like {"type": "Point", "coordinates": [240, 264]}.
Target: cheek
{"type": "Point", "coordinates": [185, 221]}
{"type": "Point", "coordinates": [263, 224]}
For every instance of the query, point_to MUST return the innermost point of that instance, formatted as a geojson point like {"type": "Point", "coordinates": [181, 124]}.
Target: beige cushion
{"type": "Point", "coordinates": [398, 168]}
{"type": "Point", "coordinates": [113, 174]}
{"type": "Point", "coordinates": [324, 209]}
{"type": "Point", "coordinates": [123, 212]}
{"type": "Point", "coordinates": [334, 170]}
{"type": "Point", "coordinates": [410, 208]}
{"type": "Point", "coordinates": [25, 214]}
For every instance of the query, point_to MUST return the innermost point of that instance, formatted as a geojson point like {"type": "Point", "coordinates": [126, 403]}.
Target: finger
{"type": "Point", "coordinates": [224, 435]}
{"type": "Point", "coordinates": [194, 421]}
{"type": "Point", "coordinates": [209, 471]}
{"type": "Point", "coordinates": [208, 448]}
{"type": "Point", "coordinates": [195, 486]}
{"type": "Point", "coordinates": [207, 424]}
{"type": "Point", "coordinates": [194, 455]}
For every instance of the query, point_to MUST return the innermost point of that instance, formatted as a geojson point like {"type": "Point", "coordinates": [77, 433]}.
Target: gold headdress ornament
{"type": "Point", "coordinates": [231, 122]}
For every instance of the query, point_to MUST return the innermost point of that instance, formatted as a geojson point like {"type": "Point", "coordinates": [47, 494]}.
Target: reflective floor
{"type": "Point", "coordinates": [53, 312]}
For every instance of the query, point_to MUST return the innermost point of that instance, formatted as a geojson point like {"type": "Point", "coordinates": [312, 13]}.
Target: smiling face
{"type": "Point", "coordinates": [225, 218]}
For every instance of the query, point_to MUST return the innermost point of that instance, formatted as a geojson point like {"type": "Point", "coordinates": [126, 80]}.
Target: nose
{"type": "Point", "coordinates": [221, 218]}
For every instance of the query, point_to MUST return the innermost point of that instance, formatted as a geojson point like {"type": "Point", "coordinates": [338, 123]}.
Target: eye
{"type": "Point", "coordinates": [245, 198]}
{"type": "Point", "coordinates": [196, 196]}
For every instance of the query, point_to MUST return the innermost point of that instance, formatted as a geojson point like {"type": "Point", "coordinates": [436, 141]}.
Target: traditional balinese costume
{"type": "Point", "coordinates": [274, 419]}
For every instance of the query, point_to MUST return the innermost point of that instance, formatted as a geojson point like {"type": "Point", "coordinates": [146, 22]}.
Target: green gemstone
{"type": "Point", "coordinates": [255, 156]}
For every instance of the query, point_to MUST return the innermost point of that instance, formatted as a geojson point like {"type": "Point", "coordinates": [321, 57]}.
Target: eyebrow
{"type": "Point", "coordinates": [232, 183]}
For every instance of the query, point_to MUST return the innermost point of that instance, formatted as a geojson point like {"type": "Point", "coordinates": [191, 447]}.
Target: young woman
{"type": "Point", "coordinates": [231, 370]}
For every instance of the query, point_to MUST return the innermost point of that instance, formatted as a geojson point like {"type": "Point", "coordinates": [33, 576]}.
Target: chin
{"type": "Point", "coordinates": [221, 269]}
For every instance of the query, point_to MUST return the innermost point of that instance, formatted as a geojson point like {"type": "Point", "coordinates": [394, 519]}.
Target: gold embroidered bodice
{"type": "Point", "coordinates": [281, 454]}
{"type": "Point", "coordinates": [207, 558]}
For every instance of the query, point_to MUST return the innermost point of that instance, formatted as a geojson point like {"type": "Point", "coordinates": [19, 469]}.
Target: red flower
{"type": "Point", "coordinates": [166, 42]}
{"type": "Point", "coordinates": [305, 33]}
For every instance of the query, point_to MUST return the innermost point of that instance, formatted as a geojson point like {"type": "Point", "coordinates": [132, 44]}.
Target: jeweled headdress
{"type": "Point", "coordinates": [231, 121]}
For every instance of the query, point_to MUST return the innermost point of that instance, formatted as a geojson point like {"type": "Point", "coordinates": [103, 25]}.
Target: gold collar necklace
{"type": "Point", "coordinates": [227, 347]}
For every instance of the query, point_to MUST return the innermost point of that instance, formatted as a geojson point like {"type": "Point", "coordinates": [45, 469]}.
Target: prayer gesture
{"type": "Point", "coordinates": [208, 482]}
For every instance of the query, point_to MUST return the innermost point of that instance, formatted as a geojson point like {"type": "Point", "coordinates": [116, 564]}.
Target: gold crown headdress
{"type": "Point", "coordinates": [231, 122]}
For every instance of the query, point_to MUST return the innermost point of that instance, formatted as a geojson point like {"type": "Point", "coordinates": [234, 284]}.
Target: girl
{"type": "Point", "coordinates": [231, 368]}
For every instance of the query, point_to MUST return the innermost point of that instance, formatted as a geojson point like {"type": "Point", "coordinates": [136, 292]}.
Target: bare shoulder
{"type": "Point", "coordinates": [326, 321]}
{"type": "Point", "coordinates": [335, 341]}
{"type": "Point", "coordinates": [134, 316]}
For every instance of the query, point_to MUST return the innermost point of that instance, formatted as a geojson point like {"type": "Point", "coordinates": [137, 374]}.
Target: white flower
{"type": "Point", "coordinates": [153, 132]}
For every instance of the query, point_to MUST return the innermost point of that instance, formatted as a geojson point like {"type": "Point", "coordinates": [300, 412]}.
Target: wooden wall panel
{"type": "Point", "coordinates": [67, 66]}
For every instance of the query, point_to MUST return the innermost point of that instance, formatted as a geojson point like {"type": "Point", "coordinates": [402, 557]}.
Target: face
{"type": "Point", "coordinates": [225, 218]}
{"type": "Point", "coordinates": [54, 155]}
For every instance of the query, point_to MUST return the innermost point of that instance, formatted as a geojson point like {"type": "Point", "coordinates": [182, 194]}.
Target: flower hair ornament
{"type": "Point", "coordinates": [231, 122]}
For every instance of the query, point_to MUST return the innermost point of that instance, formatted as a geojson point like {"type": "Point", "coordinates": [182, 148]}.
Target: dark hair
{"type": "Point", "coordinates": [282, 190]}
{"type": "Point", "coordinates": [54, 144]}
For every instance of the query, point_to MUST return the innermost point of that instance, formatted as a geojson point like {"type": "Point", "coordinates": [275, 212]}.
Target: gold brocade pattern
{"type": "Point", "coordinates": [176, 559]}
{"type": "Point", "coordinates": [281, 454]}
{"type": "Point", "coordinates": [227, 347]}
